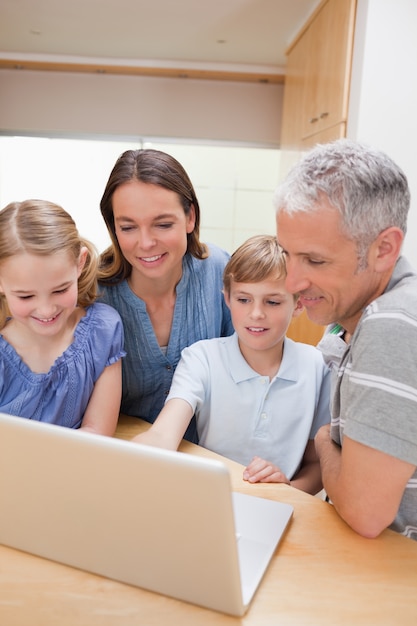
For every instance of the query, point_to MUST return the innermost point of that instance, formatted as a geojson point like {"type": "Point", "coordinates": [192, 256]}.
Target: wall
{"type": "Point", "coordinates": [383, 100]}
{"type": "Point", "coordinates": [135, 106]}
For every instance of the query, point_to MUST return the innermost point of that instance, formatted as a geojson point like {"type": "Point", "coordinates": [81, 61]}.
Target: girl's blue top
{"type": "Point", "coordinates": [61, 395]}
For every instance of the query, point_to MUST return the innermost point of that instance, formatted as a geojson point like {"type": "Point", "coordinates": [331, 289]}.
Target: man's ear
{"type": "Point", "coordinates": [387, 248]}
{"type": "Point", "coordinates": [298, 308]}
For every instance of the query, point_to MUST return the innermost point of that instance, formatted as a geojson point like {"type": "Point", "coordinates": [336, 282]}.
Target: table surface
{"type": "Point", "coordinates": [322, 573]}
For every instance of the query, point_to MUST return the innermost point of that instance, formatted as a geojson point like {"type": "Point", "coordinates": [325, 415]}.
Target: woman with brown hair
{"type": "Point", "coordinates": [165, 283]}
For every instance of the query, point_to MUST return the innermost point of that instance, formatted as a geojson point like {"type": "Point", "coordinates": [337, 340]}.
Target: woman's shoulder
{"type": "Point", "coordinates": [120, 297]}
{"type": "Point", "coordinates": [215, 261]}
{"type": "Point", "coordinates": [217, 254]}
{"type": "Point", "coordinates": [108, 292]}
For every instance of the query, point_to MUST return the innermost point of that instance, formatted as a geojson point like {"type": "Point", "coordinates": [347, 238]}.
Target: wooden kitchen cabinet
{"type": "Point", "coordinates": [324, 136]}
{"type": "Point", "coordinates": [293, 102]}
{"type": "Point", "coordinates": [304, 330]}
{"type": "Point", "coordinates": [316, 98]}
{"type": "Point", "coordinates": [316, 92]}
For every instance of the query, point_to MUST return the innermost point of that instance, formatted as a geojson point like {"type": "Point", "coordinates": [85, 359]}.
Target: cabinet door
{"type": "Point", "coordinates": [324, 136]}
{"type": "Point", "coordinates": [293, 101]}
{"type": "Point", "coordinates": [327, 87]}
{"type": "Point", "coordinates": [304, 330]}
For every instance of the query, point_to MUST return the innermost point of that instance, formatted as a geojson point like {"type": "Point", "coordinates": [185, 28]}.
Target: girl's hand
{"type": "Point", "coordinates": [261, 471]}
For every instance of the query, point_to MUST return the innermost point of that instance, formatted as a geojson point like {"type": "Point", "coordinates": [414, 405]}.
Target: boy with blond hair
{"type": "Point", "coordinates": [258, 397]}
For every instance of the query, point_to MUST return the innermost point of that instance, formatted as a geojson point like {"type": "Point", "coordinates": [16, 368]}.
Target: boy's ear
{"type": "Point", "coordinates": [226, 295]}
{"type": "Point", "coordinates": [298, 308]}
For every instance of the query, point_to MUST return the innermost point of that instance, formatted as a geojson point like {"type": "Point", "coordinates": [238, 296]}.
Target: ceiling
{"type": "Point", "coordinates": [229, 39]}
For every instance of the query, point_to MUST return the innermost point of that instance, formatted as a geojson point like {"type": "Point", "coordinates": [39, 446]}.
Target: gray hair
{"type": "Point", "coordinates": [365, 185]}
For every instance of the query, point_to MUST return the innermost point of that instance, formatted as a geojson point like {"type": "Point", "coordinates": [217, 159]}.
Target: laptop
{"type": "Point", "coordinates": [161, 520]}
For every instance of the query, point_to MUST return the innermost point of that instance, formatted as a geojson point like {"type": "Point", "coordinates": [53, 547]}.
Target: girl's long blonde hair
{"type": "Point", "coordinates": [43, 228]}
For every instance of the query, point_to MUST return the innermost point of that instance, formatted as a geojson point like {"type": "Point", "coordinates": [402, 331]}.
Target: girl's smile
{"type": "Point", "coordinates": [41, 293]}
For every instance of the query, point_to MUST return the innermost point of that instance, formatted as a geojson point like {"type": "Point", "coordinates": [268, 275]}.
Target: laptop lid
{"type": "Point", "coordinates": [161, 520]}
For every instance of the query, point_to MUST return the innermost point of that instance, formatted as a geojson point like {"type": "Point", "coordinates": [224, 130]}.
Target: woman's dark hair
{"type": "Point", "coordinates": [155, 168]}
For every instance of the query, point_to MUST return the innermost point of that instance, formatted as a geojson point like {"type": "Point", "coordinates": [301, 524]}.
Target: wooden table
{"type": "Point", "coordinates": [323, 574]}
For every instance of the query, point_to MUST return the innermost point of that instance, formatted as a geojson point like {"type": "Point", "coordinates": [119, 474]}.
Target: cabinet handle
{"type": "Point", "coordinates": [325, 114]}
{"type": "Point", "coordinates": [313, 120]}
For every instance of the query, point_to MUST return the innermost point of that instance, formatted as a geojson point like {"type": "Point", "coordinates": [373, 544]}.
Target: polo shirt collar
{"type": "Point", "coordinates": [240, 370]}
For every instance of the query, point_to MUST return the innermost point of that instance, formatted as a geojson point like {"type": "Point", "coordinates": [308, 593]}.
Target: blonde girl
{"type": "Point", "coordinates": [60, 351]}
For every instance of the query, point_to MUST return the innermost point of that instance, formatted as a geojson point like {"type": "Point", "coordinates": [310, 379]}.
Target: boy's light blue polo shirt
{"type": "Point", "coordinates": [241, 414]}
